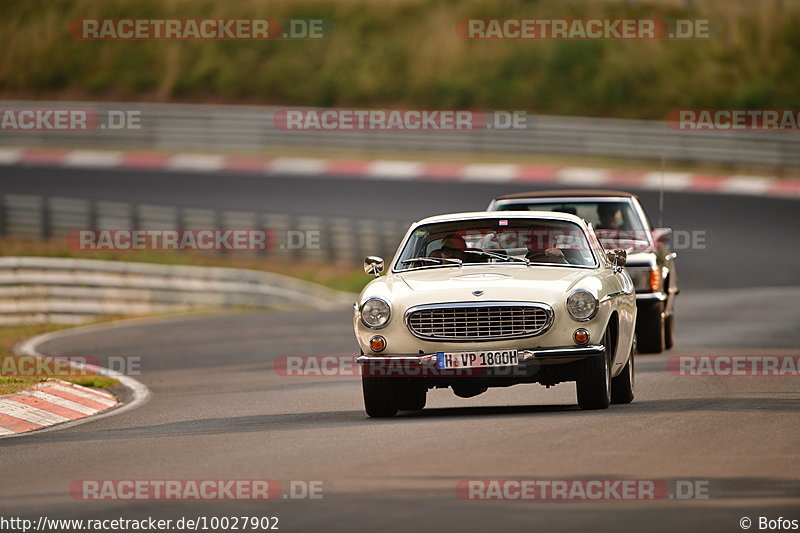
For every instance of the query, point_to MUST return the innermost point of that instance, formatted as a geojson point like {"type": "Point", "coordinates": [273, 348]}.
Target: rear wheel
{"type": "Point", "coordinates": [650, 337]}
{"type": "Point", "coordinates": [380, 398]}
{"type": "Point", "coordinates": [594, 378]}
{"type": "Point", "coordinates": [622, 385]}
{"type": "Point", "coordinates": [669, 331]}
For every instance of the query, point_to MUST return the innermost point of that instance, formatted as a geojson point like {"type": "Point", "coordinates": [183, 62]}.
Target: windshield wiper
{"type": "Point", "coordinates": [438, 260]}
{"type": "Point", "coordinates": [501, 256]}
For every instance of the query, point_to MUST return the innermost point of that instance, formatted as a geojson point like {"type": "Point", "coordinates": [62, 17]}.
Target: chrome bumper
{"type": "Point", "coordinates": [525, 356]}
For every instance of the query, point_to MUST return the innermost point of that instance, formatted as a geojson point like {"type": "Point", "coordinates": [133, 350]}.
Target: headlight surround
{"type": "Point", "coordinates": [582, 305]}
{"type": "Point", "coordinates": [375, 313]}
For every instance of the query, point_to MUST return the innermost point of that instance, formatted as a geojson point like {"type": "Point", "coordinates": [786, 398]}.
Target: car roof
{"type": "Point", "coordinates": [568, 193]}
{"type": "Point", "coordinates": [475, 215]}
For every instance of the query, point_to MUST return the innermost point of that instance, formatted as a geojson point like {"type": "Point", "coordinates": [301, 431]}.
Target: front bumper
{"type": "Point", "coordinates": [525, 356]}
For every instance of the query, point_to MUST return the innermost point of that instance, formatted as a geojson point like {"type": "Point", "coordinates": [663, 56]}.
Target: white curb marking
{"type": "Point", "coordinates": [199, 162]}
{"type": "Point", "coordinates": [92, 159]}
{"type": "Point", "coordinates": [395, 169]}
{"type": "Point", "coordinates": [30, 414]}
{"type": "Point", "coordinates": [58, 400]}
{"type": "Point", "coordinates": [88, 394]}
{"type": "Point", "coordinates": [582, 176]}
{"type": "Point", "coordinates": [489, 173]}
{"type": "Point", "coordinates": [291, 165]}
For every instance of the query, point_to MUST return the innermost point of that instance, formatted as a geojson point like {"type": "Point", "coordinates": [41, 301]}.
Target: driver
{"type": "Point", "coordinates": [453, 247]}
{"type": "Point", "coordinates": [540, 250]}
{"type": "Point", "coordinates": [610, 215]}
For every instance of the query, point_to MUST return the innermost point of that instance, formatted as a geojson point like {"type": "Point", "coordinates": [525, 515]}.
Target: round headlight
{"type": "Point", "coordinates": [582, 305]}
{"type": "Point", "coordinates": [375, 313]}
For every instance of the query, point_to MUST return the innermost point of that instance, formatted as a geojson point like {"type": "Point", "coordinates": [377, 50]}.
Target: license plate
{"type": "Point", "coordinates": [445, 360]}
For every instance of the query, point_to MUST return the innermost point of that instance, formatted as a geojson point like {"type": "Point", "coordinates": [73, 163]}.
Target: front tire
{"type": "Point", "coordinates": [622, 385]}
{"type": "Point", "coordinates": [380, 398]}
{"type": "Point", "coordinates": [594, 379]}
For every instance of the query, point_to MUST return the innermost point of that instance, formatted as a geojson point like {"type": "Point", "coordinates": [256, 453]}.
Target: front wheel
{"type": "Point", "coordinates": [594, 379]}
{"type": "Point", "coordinates": [622, 385]}
{"type": "Point", "coordinates": [380, 398]}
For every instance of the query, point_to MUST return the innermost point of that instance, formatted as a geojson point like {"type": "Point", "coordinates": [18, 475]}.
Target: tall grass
{"type": "Point", "coordinates": [406, 53]}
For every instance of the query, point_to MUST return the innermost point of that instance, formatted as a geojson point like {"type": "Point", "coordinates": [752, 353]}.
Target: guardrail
{"type": "Point", "coordinates": [251, 128]}
{"type": "Point", "coordinates": [71, 291]}
{"type": "Point", "coordinates": [335, 239]}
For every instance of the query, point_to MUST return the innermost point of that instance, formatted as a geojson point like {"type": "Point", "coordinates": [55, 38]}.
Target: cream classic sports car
{"type": "Point", "coordinates": [478, 300]}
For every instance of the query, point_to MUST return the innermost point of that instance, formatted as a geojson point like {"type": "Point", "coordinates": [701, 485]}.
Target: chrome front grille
{"type": "Point", "coordinates": [469, 322]}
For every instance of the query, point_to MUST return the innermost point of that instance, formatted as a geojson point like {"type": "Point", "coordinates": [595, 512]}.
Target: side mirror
{"type": "Point", "coordinates": [617, 258]}
{"type": "Point", "coordinates": [662, 237]}
{"type": "Point", "coordinates": [373, 265]}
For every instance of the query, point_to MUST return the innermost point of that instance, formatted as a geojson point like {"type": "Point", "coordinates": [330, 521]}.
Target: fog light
{"type": "Point", "coordinates": [581, 336]}
{"type": "Point", "coordinates": [377, 343]}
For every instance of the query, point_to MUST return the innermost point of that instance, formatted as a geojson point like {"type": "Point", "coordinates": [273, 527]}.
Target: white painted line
{"type": "Point", "coordinates": [489, 173]}
{"type": "Point", "coordinates": [199, 162]}
{"type": "Point", "coordinates": [30, 414]}
{"type": "Point", "coordinates": [291, 165]}
{"type": "Point", "coordinates": [93, 159]}
{"type": "Point", "coordinates": [63, 402]}
{"type": "Point", "coordinates": [739, 184]}
{"type": "Point", "coordinates": [9, 156]}
{"type": "Point", "coordinates": [582, 176]}
{"type": "Point", "coordinates": [673, 181]}
{"type": "Point", "coordinates": [4, 431]}
{"type": "Point", "coordinates": [395, 169]}
{"type": "Point", "coordinates": [83, 393]}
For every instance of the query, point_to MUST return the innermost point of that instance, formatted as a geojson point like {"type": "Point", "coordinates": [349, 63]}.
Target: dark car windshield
{"type": "Point", "coordinates": [501, 240]}
{"type": "Point", "coordinates": [616, 223]}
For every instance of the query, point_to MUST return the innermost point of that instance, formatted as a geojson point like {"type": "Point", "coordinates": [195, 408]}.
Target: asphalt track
{"type": "Point", "coordinates": [219, 411]}
{"type": "Point", "coordinates": [746, 240]}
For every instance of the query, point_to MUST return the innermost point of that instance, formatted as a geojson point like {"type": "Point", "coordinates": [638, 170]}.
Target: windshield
{"type": "Point", "coordinates": [521, 241]}
{"type": "Point", "coordinates": [616, 223]}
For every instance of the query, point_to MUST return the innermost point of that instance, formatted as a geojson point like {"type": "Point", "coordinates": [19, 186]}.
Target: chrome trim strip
{"type": "Point", "coordinates": [525, 355]}
{"type": "Point", "coordinates": [421, 359]}
{"type": "Point", "coordinates": [562, 351]}
{"type": "Point", "coordinates": [649, 296]}
{"type": "Point", "coordinates": [456, 305]}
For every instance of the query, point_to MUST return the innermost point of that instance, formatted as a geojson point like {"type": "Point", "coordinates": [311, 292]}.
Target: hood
{"type": "Point", "coordinates": [518, 283]}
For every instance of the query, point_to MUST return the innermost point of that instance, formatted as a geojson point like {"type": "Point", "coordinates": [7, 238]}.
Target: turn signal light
{"type": "Point", "coordinates": [377, 343]}
{"type": "Point", "coordinates": [581, 336]}
{"type": "Point", "coordinates": [655, 279]}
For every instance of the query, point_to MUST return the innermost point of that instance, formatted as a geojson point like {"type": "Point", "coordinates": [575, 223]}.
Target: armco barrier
{"type": "Point", "coordinates": [212, 128]}
{"type": "Point", "coordinates": [337, 239]}
{"type": "Point", "coordinates": [70, 291]}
